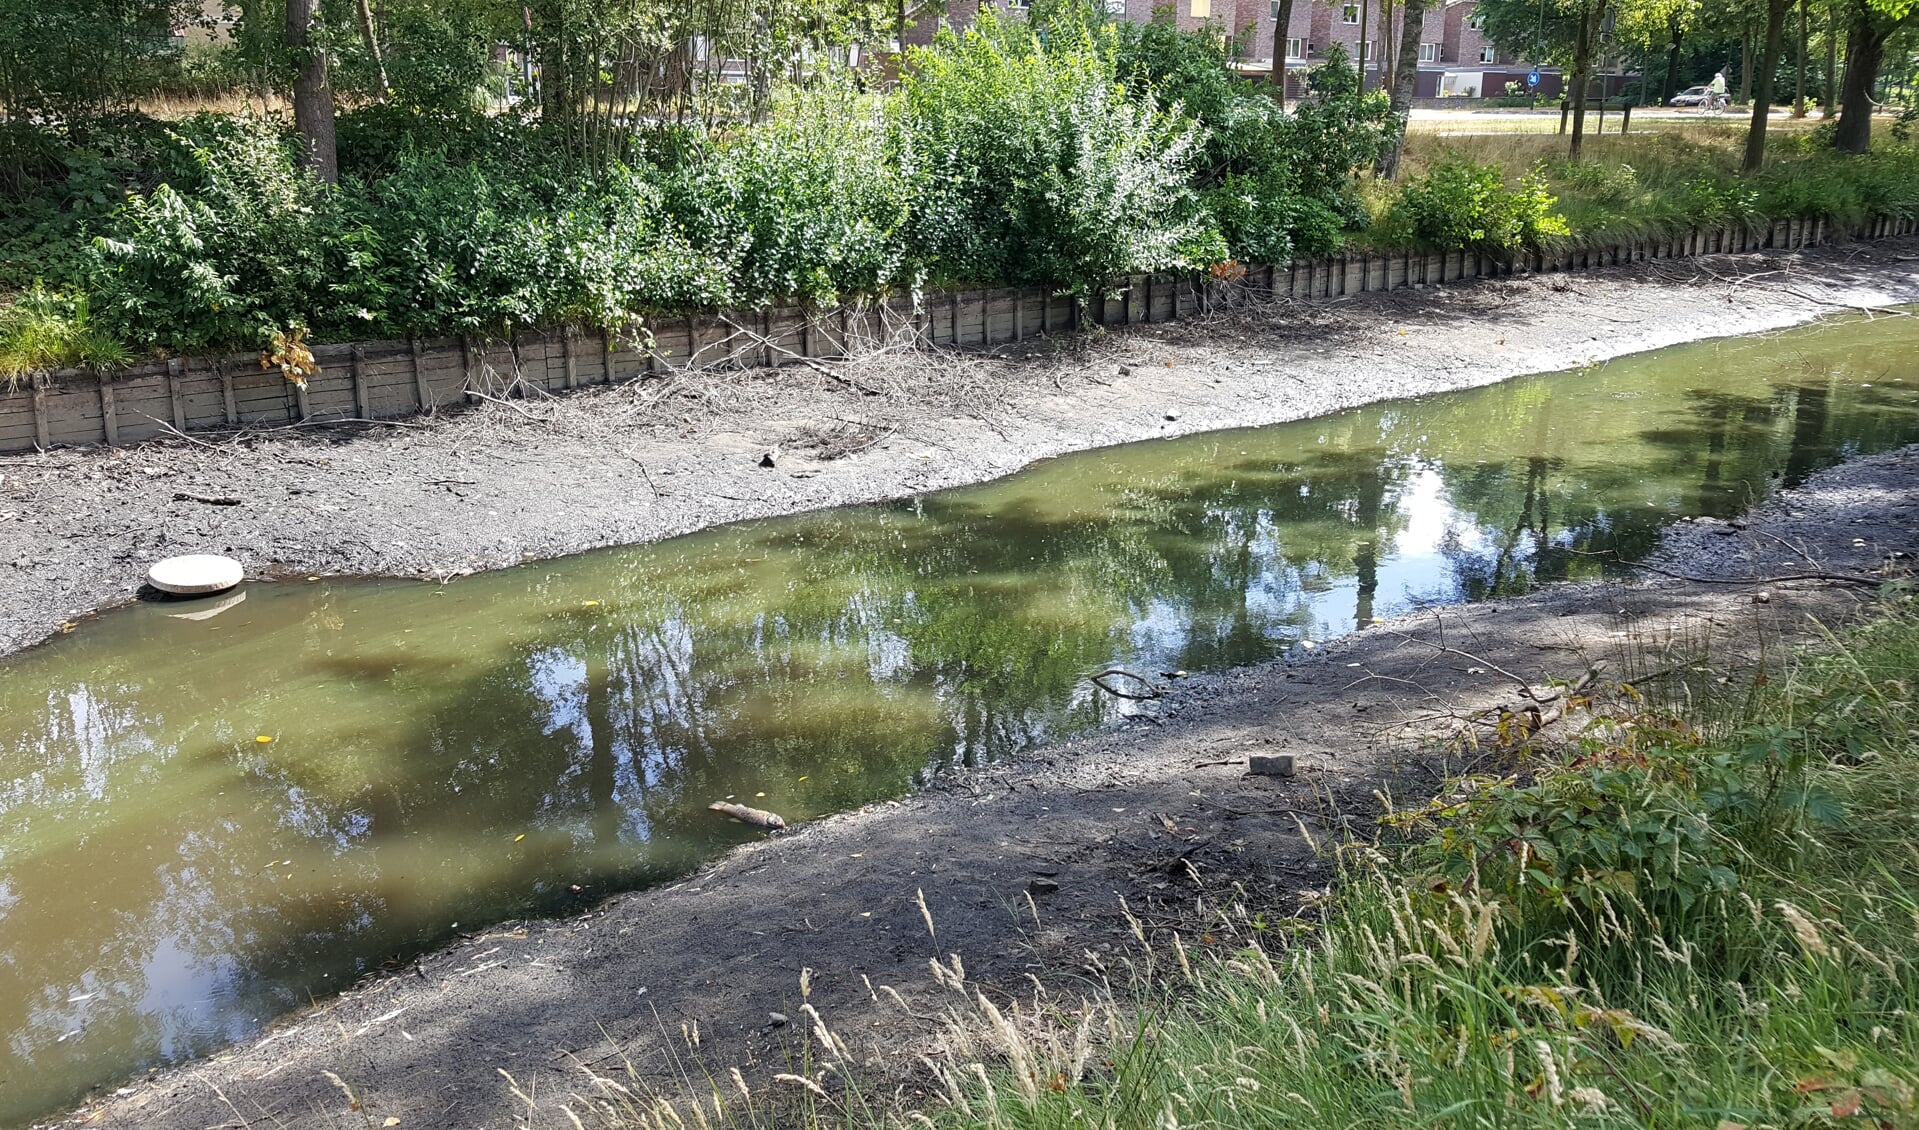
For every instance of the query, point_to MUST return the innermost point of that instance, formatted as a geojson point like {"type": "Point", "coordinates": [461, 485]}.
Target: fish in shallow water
{"type": "Point", "coordinates": [758, 817]}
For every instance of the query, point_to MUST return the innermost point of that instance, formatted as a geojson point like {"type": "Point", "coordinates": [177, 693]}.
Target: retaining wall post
{"type": "Point", "coordinates": [109, 419]}
{"type": "Point", "coordinates": [42, 430]}
{"type": "Point", "coordinates": [176, 400]}
{"type": "Point", "coordinates": [361, 402]}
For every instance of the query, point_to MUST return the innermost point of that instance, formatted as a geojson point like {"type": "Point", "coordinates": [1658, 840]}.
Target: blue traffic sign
{"type": "Point", "coordinates": [1532, 78]}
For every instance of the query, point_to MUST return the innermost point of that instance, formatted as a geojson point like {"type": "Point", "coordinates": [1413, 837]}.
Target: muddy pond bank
{"type": "Point", "coordinates": [1142, 885]}
{"type": "Point", "coordinates": [1160, 815]}
{"type": "Point", "coordinates": [492, 487]}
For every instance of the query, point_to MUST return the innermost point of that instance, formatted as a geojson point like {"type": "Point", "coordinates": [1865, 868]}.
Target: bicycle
{"type": "Point", "coordinates": [1716, 104]}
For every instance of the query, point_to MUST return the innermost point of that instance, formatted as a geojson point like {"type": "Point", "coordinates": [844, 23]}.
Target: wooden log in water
{"type": "Point", "coordinates": [757, 817]}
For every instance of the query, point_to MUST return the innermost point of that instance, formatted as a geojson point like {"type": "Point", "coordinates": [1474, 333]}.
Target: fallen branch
{"type": "Point", "coordinates": [486, 397]}
{"type": "Point", "coordinates": [208, 499]}
{"type": "Point", "coordinates": [1151, 690]}
{"type": "Point", "coordinates": [1524, 687]}
{"type": "Point", "coordinates": [1847, 578]}
{"type": "Point", "coordinates": [769, 344]}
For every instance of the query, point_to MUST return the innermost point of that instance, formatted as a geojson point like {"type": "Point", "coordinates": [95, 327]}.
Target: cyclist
{"type": "Point", "coordinates": [1716, 93]}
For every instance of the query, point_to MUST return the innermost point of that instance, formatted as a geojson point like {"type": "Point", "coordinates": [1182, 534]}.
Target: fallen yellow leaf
{"type": "Point", "coordinates": [519, 837]}
{"type": "Point", "coordinates": [391, 1121]}
{"type": "Point", "coordinates": [263, 738]}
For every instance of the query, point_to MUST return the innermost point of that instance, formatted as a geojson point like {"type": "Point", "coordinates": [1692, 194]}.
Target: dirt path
{"type": "Point", "coordinates": [1160, 814]}
{"type": "Point", "coordinates": [492, 487]}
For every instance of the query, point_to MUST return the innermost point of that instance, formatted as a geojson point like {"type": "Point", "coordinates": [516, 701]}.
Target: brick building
{"type": "Point", "coordinates": [1455, 57]}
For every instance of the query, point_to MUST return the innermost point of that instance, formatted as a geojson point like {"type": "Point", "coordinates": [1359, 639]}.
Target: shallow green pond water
{"type": "Point", "coordinates": [204, 822]}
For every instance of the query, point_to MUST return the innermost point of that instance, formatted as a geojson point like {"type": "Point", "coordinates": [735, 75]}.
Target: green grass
{"type": "Point", "coordinates": [1754, 968]}
{"type": "Point", "coordinates": [1672, 175]}
{"type": "Point", "coordinates": [43, 330]}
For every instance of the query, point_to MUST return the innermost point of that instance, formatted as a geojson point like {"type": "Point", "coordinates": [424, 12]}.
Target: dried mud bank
{"type": "Point", "coordinates": [502, 484]}
{"type": "Point", "coordinates": [1021, 867]}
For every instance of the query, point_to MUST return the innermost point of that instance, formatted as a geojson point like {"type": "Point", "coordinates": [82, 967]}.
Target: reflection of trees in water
{"type": "Point", "coordinates": [881, 641]}
{"type": "Point", "coordinates": [1548, 519]}
{"type": "Point", "coordinates": [851, 649]}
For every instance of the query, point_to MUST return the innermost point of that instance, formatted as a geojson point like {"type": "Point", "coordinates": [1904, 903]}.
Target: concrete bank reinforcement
{"type": "Point", "coordinates": [383, 380]}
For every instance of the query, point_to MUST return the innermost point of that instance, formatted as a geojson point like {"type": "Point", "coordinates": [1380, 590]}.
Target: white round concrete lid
{"type": "Point", "coordinates": [195, 573]}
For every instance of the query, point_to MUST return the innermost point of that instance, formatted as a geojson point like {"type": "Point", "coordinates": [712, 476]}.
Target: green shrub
{"type": "Point", "coordinates": [812, 204]}
{"type": "Point", "coordinates": [1462, 204]}
{"type": "Point", "coordinates": [1262, 223]}
{"type": "Point", "coordinates": [1189, 72]}
{"type": "Point", "coordinates": [445, 62]}
{"type": "Point", "coordinates": [236, 246]}
{"type": "Point", "coordinates": [472, 248]}
{"type": "Point", "coordinates": [1650, 827]}
{"type": "Point", "coordinates": [1276, 185]}
{"type": "Point", "coordinates": [1032, 166]}
{"type": "Point", "coordinates": [1716, 201]}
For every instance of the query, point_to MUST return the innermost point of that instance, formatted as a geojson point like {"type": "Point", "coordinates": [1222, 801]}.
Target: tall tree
{"type": "Point", "coordinates": [1282, 24]}
{"type": "Point", "coordinates": [1829, 108]}
{"type": "Point", "coordinates": [1869, 23]}
{"type": "Point", "coordinates": [1405, 75]}
{"type": "Point", "coordinates": [1767, 69]}
{"type": "Point", "coordinates": [1654, 27]}
{"type": "Point", "coordinates": [370, 39]}
{"type": "Point", "coordinates": [1365, 56]}
{"type": "Point", "coordinates": [312, 91]}
{"type": "Point", "coordinates": [1799, 77]}
{"type": "Point", "coordinates": [1670, 86]}
{"type": "Point", "coordinates": [1590, 18]}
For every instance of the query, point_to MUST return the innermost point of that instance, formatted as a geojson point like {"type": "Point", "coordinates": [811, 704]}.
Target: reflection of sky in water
{"type": "Point", "coordinates": [1296, 602]}
{"type": "Point", "coordinates": [476, 752]}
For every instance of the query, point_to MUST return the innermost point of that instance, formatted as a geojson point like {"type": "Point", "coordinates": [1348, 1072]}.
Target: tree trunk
{"type": "Point", "coordinates": [312, 95]}
{"type": "Point", "coordinates": [1799, 80]}
{"type": "Point", "coordinates": [1282, 21]}
{"type": "Point", "coordinates": [371, 40]}
{"type": "Point", "coordinates": [1388, 49]}
{"type": "Point", "coordinates": [1745, 65]}
{"type": "Point", "coordinates": [1830, 108]}
{"type": "Point", "coordinates": [1768, 70]}
{"type": "Point", "coordinates": [1361, 53]}
{"type": "Point", "coordinates": [1671, 86]}
{"type": "Point", "coordinates": [1405, 75]}
{"type": "Point", "coordinates": [1865, 44]}
{"type": "Point", "coordinates": [1585, 46]}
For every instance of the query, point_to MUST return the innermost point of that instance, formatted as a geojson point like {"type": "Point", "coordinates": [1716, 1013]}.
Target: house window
{"type": "Point", "coordinates": [1292, 49]}
{"type": "Point", "coordinates": [1116, 8]}
{"type": "Point", "coordinates": [1365, 50]}
{"type": "Point", "coordinates": [1202, 9]}
{"type": "Point", "coordinates": [1429, 52]}
{"type": "Point", "coordinates": [1477, 22]}
{"type": "Point", "coordinates": [1487, 54]}
{"type": "Point", "coordinates": [1349, 14]}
